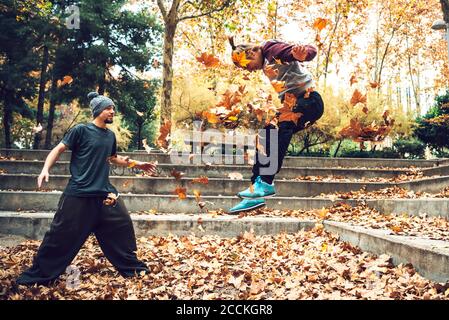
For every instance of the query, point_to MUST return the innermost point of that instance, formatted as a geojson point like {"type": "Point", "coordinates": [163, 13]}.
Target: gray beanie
{"type": "Point", "coordinates": [98, 103]}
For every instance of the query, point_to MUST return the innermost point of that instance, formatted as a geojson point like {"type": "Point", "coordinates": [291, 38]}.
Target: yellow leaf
{"type": "Point", "coordinates": [278, 86]}
{"type": "Point", "coordinates": [324, 247]}
{"type": "Point", "coordinates": [320, 23]}
{"type": "Point", "coordinates": [240, 59]}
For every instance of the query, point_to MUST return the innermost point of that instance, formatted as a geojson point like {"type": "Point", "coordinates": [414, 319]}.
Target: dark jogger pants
{"type": "Point", "coordinates": [75, 219]}
{"type": "Point", "coordinates": [312, 109]}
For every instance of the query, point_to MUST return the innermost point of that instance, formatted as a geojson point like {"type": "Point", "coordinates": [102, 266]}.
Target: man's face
{"type": "Point", "coordinates": [255, 55]}
{"type": "Point", "coordinates": [107, 115]}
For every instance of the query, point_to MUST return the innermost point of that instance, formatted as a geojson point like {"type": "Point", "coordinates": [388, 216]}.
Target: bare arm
{"type": "Point", "coordinates": [52, 157]}
{"type": "Point", "coordinates": [127, 162]}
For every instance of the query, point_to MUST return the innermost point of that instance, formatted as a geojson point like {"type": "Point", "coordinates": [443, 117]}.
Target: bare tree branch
{"type": "Point", "coordinates": [224, 5]}
{"type": "Point", "coordinates": [163, 10]}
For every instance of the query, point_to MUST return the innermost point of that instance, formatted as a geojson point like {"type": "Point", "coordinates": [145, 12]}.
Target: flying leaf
{"type": "Point", "coordinates": [290, 116]}
{"type": "Point", "coordinates": [365, 109]}
{"type": "Point", "coordinates": [270, 71]}
{"type": "Point", "coordinates": [65, 80]}
{"type": "Point", "coordinates": [289, 100]}
{"type": "Point", "coordinates": [357, 97]}
{"type": "Point", "coordinates": [176, 174]}
{"type": "Point", "coordinates": [37, 128]}
{"type": "Point", "coordinates": [208, 60]}
{"type": "Point", "coordinates": [201, 180]}
{"type": "Point", "coordinates": [211, 117]}
{"type": "Point", "coordinates": [240, 59]}
{"type": "Point", "coordinates": [140, 114]}
{"type": "Point", "coordinates": [146, 146]}
{"type": "Point", "coordinates": [197, 195]}
{"type": "Point", "coordinates": [278, 86]}
{"type": "Point", "coordinates": [374, 84]}
{"type": "Point", "coordinates": [181, 192]}
{"type": "Point", "coordinates": [320, 23]}
{"type": "Point", "coordinates": [164, 131]}
{"type": "Point", "coordinates": [353, 79]}
{"type": "Point", "coordinates": [260, 148]}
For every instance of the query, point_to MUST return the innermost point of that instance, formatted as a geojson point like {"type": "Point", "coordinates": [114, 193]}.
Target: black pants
{"type": "Point", "coordinates": [75, 219]}
{"type": "Point", "coordinates": [312, 109]}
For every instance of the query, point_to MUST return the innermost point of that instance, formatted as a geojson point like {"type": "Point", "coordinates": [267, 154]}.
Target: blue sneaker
{"type": "Point", "coordinates": [247, 204]}
{"type": "Point", "coordinates": [261, 190]}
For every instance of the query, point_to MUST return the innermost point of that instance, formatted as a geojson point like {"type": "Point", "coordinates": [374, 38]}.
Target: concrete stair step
{"type": "Point", "coordinates": [289, 161]}
{"type": "Point", "coordinates": [429, 257]}
{"type": "Point", "coordinates": [48, 201]}
{"type": "Point", "coordinates": [216, 171]}
{"type": "Point", "coordinates": [225, 187]}
{"type": "Point", "coordinates": [215, 186]}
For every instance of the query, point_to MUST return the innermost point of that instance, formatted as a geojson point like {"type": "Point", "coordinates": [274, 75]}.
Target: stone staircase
{"type": "Point", "coordinates": [26, 211]}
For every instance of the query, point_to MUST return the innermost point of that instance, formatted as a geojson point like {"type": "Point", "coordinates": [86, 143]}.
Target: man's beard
{"type": "Point", "coordinates": [107, 121]}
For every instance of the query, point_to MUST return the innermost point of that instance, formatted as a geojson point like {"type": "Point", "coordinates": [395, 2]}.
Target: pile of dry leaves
{"type": "Point", "coordinates": [423, 226]}
{"type": "Point", "coordinates": [385, 193]}
{"type": "Point", "coordinates": [305, 265]}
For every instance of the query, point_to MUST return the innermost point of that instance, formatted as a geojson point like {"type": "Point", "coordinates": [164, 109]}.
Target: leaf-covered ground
{"type": "Point", "coordinates": [435, 228]}
{"type": "Point", "coordinates": [306, 265]}
{"type": "Point", "coordinates": [385, 193]}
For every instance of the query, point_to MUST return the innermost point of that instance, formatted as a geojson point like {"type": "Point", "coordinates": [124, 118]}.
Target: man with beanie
{"type": "Point", "coordinates": [89, 203]}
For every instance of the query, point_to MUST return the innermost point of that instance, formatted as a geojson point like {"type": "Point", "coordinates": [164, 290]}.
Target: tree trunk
{"type": "Point", "coordinates": [338, 147]}
{"type": "Point", "coordinates": [139, 135]}
{"type": "Point", "coordinates": [167, 85]}
{"type": "Point", "coordinates": [445, 8]}
{"type": "Point", "coordinates": [41, 100]}
{"type": "Point", "coordinates": [7, 121]}
{"type": "Point", "coordinates": [102, 80]}
{"type": "Point", "coordinates": [51, 112]}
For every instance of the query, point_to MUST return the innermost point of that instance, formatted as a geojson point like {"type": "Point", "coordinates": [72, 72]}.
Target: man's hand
{"type": "Point", "coordinates": [299, 52]}
{"type": "Point", "coordinates": [149, 167]}
{"type": "Point", "coordinates": [44, 175]}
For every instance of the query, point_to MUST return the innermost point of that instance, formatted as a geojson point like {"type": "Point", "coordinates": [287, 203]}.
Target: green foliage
{"type": "Point", "coordinates": [410, 148]}
{"type": "Point", "coordinates": [111, 39]}
{"type": "Point", "coordinates": [433, 127]}
{"type": "Point", "coordinates": [387, 153]}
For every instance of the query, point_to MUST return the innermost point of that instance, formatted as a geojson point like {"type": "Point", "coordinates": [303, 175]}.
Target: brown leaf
{"type": "Point", "coordinates": [365, 110]}
{"type": "Point", "coordinates": [278, 86]}
{"type": "Point", "coordinates": [201, 180]}
{"type": "Point", "coordinates": [289, 101]}
{"type": "Point", "coordinates": [181, 192]}
{"type": "Point", "coordinates": [164, 131]}
{"type": "Point", "coordinates": [208, 60]}
{"type": "Point", "coordinates": [357, 97]}
{"type": "Point", "coordinates": [290, 116]}
{"type": "Point", "coordinates": [373, 84]}
{"type": "Point", "coordinates": [176, 174]}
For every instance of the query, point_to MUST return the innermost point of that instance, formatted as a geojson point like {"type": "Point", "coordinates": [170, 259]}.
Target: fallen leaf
{"type": "Point", "coordinates": [201, 180]}
{"type": "Point", "coordinates": [235, 176]}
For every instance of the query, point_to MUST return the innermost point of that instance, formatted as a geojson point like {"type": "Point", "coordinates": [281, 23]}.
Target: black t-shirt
{"type": "Point", "coordinates": [91, 146]}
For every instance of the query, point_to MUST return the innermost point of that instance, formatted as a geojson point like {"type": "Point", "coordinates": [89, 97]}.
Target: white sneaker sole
{"type": "Point", "coordinates": [248, 209]}
{"type": "Point", "coordinates": [264, 197]}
